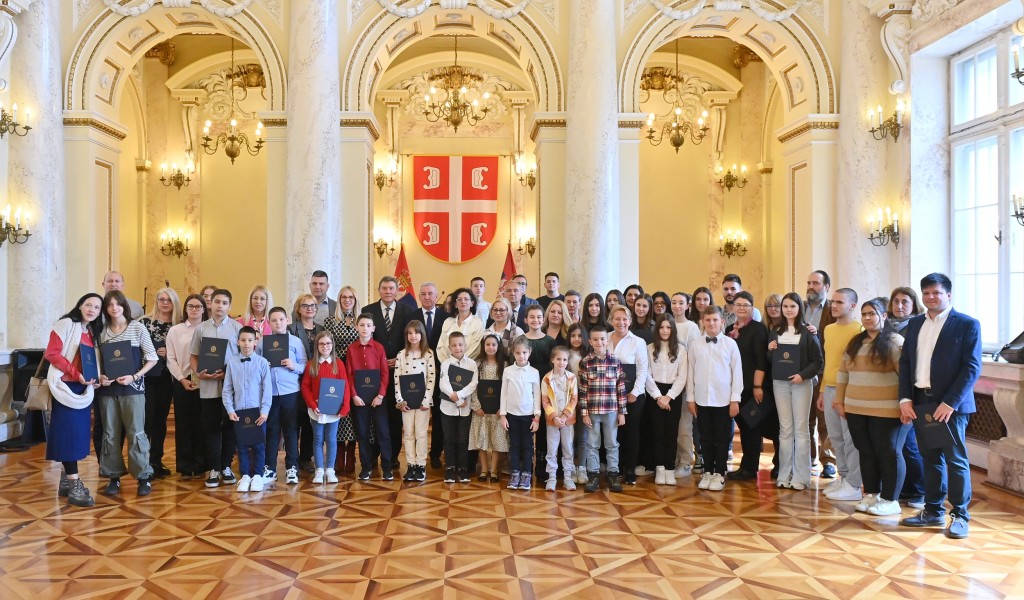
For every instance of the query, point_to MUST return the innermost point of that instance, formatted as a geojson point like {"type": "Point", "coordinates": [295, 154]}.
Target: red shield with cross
{"type": "Point", "coordinates": [455, 205]}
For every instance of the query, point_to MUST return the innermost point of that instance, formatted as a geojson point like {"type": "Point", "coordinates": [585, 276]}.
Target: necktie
{"type": "Point", "coordinates": [430, 321]}
{"type": "Point", "coordinates": [712, 340]}
{"type": "Point", "coordinates": [387, 319]}
{"type": "Point", "coordinates": [247, 359]}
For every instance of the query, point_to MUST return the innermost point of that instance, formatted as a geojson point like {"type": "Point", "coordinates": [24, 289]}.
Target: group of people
{"type": "Point", "coordinates": [568, 386]}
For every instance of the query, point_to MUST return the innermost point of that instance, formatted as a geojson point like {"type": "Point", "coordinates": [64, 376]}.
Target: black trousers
{"type": "Point", "coordinates": [189, 442]}
{"type": "Point", "coordinates": [879, 440]}
{"type": "Point", "coordinates": [456, 441]}
{"type": "Point", "coordinates": [219, 432]}
{"type": "Point", "coordinates": [629, 436]}
{"type": "Point", "coordinates": [751, 439]}
{"type": "Point", "coordinates": [158, 408]}
{"type": "Point", "coordinates": [520, 443]}
{"type": "Point", "coordinates": [665, 429]}
{"type": "Point", "coordinates": [395, 426]}
{"type": "Point", "coordinates": [305, 433]}
{"type": "Point", "coordinates": [716, 437]}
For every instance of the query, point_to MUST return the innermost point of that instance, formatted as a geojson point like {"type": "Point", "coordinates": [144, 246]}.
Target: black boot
{"type": "Point", "coordinates": [78, 494]}
{"type": "Point", "coordinates": [615, 481]}
{"type": "Point", "coordinates": [593, 481]}
{"type": "Point", "coordinates": [63, 487]}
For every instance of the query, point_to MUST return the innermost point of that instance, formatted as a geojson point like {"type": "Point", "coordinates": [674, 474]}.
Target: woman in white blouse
{"type": "Point", "coordinates": [665, 382]}
{"type": "Point", "coordinates": [630, 350]}
{"type": "Point", "coordinates": [465, 321]}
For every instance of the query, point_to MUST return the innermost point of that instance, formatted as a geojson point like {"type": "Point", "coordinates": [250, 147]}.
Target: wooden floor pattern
{"type": "Point", "coordinates": [432, 540]}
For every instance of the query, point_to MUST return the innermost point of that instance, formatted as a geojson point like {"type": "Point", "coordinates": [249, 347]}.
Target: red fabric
{"type": "Point", "coordinates": [404, 278]}
{"type": "Point", "coordinates": [311, 383]}
{"type": "Point", "coordinates": [72, 369]}
{"type": "Point", "coordinates": [370, 356]}
{"type": "Point", "coordinates": [508, 271]}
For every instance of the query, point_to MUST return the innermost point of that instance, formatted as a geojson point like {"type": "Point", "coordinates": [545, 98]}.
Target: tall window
{"type": "Point", "coordinates": [987, 152]}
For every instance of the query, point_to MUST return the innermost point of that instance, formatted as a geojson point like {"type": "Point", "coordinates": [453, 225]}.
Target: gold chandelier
{"type": "Point", "coordinates": [446, 100]}
{"type": "Point", "coordinates": [673, 124]}
{"type": "Point", "coordinates": [232, 140]}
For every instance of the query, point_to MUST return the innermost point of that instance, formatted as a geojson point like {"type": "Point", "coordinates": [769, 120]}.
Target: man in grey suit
{"type": "Point", "coordinates": [325, 307]}
{"type": "Point", "coordinates": [115, 281]}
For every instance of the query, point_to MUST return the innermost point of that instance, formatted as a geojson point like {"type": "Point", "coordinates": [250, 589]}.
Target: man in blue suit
{"type": "Point", "coordinates": [940, 362]}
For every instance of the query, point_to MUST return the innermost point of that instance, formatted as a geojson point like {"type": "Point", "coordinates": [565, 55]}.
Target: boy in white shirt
{"type": "Point", "coordinates": [714, 382]}
{"type": "Point", "coordinates": [455, 412]}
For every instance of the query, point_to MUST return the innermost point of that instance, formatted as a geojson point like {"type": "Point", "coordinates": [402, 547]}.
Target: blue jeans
{"type": "Point", "coordinates": [283, 417]}
{"type": "Point", "coordinates": [324, 432]}
{"type": "Point", "coordinates": [948, 470]}
{"type": "Point", "coordinates": [603, 427]}
{"type": "Point", "coordinates": [913, 484]}
{"type": "Point", "coordinates": [250, 457]}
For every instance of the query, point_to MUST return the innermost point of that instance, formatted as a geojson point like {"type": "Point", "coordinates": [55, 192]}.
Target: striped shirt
{"type": "Point", "coordinates": [602, 385]}
{"type": "Point", "coordinates": [867, 388]}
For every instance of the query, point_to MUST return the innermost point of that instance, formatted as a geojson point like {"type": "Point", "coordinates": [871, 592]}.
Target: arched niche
{"type": "Point", "coordinates": [790, 49]}
{"type": "Point", "coordinates": [111, 45]}
{"type": "Point", "coordinates": [387, 36]}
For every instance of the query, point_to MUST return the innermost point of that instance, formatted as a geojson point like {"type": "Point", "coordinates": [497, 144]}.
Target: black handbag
{"type": "Point", "coordinates": [1014, 351]}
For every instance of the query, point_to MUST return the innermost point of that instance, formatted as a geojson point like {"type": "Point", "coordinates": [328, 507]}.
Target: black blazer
{"type": "Point", "coordinates": [753, 344]}
{"type": "Point", "coordinates": [298, 331]}
{"type": "Point", "coordinates": [434, 335]}
{"type": "Point", "coordinates": [811, 359]}
{"type": "Point", "coordinates": [394, 343]}
{"type": "Point", "coordinates": [956, 361]}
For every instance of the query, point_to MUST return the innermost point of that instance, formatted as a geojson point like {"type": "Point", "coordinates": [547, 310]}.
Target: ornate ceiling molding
{"type": "Point", "coordinates": [224, 12]}
{"type": "Point", "coordinates": [926, 10]}
{"type": "Point", "coordinates": [895, 38]}
{"type": "Point", "coordinates": [219, 90]}
{"type": "Point", "coordinates": [9, 29]}
{"type": "Point", "coordinates": [756, 6]}
{"type": "Point", "coordinates": [484, 5]}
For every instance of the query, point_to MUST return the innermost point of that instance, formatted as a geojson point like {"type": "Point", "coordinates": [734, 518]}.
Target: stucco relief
{"type": "Point", "coordinates": [926, 10]}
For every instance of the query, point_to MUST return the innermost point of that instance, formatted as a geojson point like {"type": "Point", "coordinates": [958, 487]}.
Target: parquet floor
{"type": "Point", "coordinates": [432, 540]}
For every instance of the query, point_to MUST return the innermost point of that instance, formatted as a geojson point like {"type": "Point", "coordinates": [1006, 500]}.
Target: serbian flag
{"type": "Point", "coordinates": [508, 271]}
{"type": "Point", "coordinates": [455, 205]}
{"type": "Point", "coordinates": [408, 296]}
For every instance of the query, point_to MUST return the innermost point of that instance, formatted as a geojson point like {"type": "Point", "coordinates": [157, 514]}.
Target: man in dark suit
{"type": "Point", "coordinates": [940, 362]}
{"type": "Point", "coordinates": [818, 314]}
{"type": "Point", "coordinates": [524, 300]}
{"type": "Point", "coordinates": [433, 317]}
{"type": "Point", "coordinates": [389, 319]}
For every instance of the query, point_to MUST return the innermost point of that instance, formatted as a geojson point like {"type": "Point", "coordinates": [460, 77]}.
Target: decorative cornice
{"type": "Point", "coordinates": [631, 124]}
{"type": "Point", "coordinates": [164, 51]}
{"type": "Point", "coordinates": [95, 124]}
{"type": "Point", "coordinates": [142, 168]}
{"type": "Point", "coordinates": [805, 128]}
{"type": "Point", "coordinates": [364, 123]}
{"type": "Point", "coordinates": [765, 170]}
{"type": "Point", "coordinates": [540, 123]}
{"type": "Point", "coordinates": [275, 122]}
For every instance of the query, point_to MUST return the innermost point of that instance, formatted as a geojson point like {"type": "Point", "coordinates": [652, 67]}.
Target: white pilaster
{"type": "Point", "coordinates": [592, 150]}
{"type": "Point", "coordinates": [275, 136]}
{"type": "Point", "coordinates": [358, 133]}
{"type": "Point", "coordinates": [36, 167]}
{"type": "Point", "coordinates": [313, 237]}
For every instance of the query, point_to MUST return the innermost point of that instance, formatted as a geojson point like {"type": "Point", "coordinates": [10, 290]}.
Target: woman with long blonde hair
{"type": "Point", "coordinates": [256, 310]}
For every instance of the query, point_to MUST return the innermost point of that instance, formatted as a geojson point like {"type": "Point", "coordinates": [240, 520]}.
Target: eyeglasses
{"type": "Point", "coordinates": [307, 306]}
{"type": "Point", "coordinates": [743, 305]}
{"type": "Point", "coordinates": [325, 344]}
{"type": "Point", "coordinates": [348, 297]}
{"type": "Point", "coordinates": [659, 303]}
{"type": "Point", "coordinates": [194, 306]}
{"type": "Point", "coordinates": [771, 306]}
{"type": "Point", "coordinates": [499, 310]}
{"type": "Point", "coordinates": [163, 299]}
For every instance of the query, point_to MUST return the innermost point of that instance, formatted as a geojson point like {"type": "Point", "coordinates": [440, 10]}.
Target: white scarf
{"type": "Point", "coordinates": [70, 334]}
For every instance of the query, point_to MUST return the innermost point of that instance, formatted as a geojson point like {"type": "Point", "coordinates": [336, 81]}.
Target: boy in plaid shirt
{"type": "Point", "coordinates": [602, 397]}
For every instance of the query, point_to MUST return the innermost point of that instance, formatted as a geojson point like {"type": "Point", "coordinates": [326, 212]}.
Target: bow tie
{"type": "Point", "coordinates": [711, 340]}
{"type": "Point", "coordinates": [247, 359]}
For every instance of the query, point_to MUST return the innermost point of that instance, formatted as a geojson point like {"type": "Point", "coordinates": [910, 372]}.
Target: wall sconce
{"type": "Point", "coordinates": [174, 243]}
{"type": "Point", "coordinates": [11, 231]}
{"type": "Point", "coordinates": [1017, 73]}
{"type": "Point", "coordinates": [384, 243]}
{"type": "Point", "coordinates": [9, 121]}
{"type": "Point", "coordinates": [389, 177]}
{"type": "Point", "coordinates": [891, 126]}
{"type": "Point", "coordinates": [177, 177]}
{"type": "Point", "coordinates": [730, 179]}
{"type": "Point", "coordinates": [526, 170]}
{"type": "Point", "coordinates": [883, 232]}
{"type": "Point", "coordinates": [527, 247]}
{"type": "Point", "coordinates": [733, 244]}
{"type": "Point", "coordinates": [1018, 209]}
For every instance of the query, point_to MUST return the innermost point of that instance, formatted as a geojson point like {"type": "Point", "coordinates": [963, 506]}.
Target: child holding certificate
{"type": "Point", "coordinates": [326, 392]}
{"type": "Point", "coordinates": [246, 398]}
{"type": "Point", "coordinates": [458, 382]}
{"type": "Point", "coordinates": [414, 394]}
{"type": "Point", "coordinates": [485, 431]}
{"type": "Point", "coordinates": [520, 413]}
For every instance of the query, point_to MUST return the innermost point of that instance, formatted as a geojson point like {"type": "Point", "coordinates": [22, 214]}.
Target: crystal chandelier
{"type": "Point", "coordinates": [232, 140]}
{"type": "Point", "coordinates": [673, 124]}
{"type": "Point", "coordinates": [446, 100]}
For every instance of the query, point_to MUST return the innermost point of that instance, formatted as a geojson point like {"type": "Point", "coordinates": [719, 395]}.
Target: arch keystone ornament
{"type": "Point", "coordinates": [455, 205]}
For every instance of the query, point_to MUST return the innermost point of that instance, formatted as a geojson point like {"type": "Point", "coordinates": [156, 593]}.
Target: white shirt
{"type": "Point", "coordinates": [483, 309]}
{"type": "Point", "coordinates": [631, 350]}
{"type": "Point", "coordinates": [447, 406]}
{"type": "Point", "coordinates": [179, 354]}
{"type": "Point", "coordinates": [520, 391]}
{"type": "Point", "coordinates": [663, 371]}
{"type": "Point", "coordinates": [472, 328]}
{"type": "Point", "coordinates": [715, 376]}
{"type": "Point", "coordinates": [926, 340]}
{"type": "Point", "coordinates": [790, 336]}
{"type": "Point", "coordinates": [686, 332]}
{"type": "Point", "coordinates": [433, 318]}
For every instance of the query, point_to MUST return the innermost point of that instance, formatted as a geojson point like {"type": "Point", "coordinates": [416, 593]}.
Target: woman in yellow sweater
{"type": "Point", "coordinates": [867, 395]}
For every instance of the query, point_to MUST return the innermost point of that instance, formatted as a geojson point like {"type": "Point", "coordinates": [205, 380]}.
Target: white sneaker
{"type": "Point", "coordinates": [797, 485]}
{"type": "Point", "coordinates": [705, 481]}
{"type": "Point", "coordinates": [684, 471]}
{"type": "Point", "coordinates": [670, 478]}
{"type": "Point", "coordinates": [291, 476]}
{"type": "Point", "coordinates": [318, 476]}
{"type": "Point", "coordinates": [269, 474]}
{"type": "Point", "coordinates": [885, 508]}
{"type": "Point", "coordinates": [845, 493]}
{"type": "Point", "coordinates": [641, 470]}
{"type": "Point", "coordinates": [835, 485]}
{"type": "Point", "coordinates": [244, 483]}
{"type": "Point", "coordinates": [717, 482]}
{"type": "Point", "coordinates": [868, 501]}
{"type": "Point", "coordinates": [549, 486]}
{"type": "Point", "coordinates": [256, 485]}
{"type": "Point", "coordinates": [331, 477]}
{"type": "Point", "coordinates": [581, 475]}
{"type": "Point", "coordinates": [659, 475]}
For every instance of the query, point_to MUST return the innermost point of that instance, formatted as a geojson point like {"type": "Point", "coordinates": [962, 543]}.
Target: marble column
{"type": "Point", "coordinates": [862, 160]}
{"type": "Point", "coordinates": [751, 196]}
{"type": "Point", "coordinates": [592, 152]}
{"type": "Point", "coordinates": [36, 180]}
{"type": "Point", "coordinates": [313, 233]}
{"type": "Point", "coordinates": [161, 121]}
